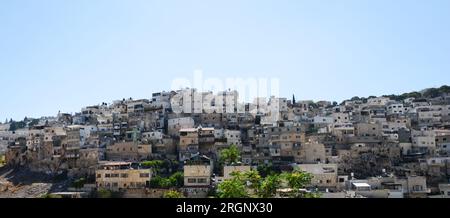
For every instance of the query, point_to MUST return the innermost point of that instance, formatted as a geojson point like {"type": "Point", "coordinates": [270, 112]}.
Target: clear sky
{"type": "Point", "coordinates": [66, 54]}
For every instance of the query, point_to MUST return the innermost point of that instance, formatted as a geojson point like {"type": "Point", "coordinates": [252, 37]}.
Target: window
{"type": "Point", "coordinates": [341, 180]}
{"type": "Point", "coordinates": [114, 175]}
{"type": "Point", "coordinates": [192, 180]}
{"type": "Point", "coordinates": [124, 175]}
{"type": "Point", "coordinates": [107, 175]}
{"type": "Point", "coordinates": [202, 180]}
{"type": "Point", "coordinates": [417, 188]}
{"type": "Point", "coordinates": [144, 175]}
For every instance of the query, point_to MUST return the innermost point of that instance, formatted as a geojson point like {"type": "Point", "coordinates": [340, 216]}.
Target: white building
{"type": "Point", "coordinates": [395, 108]}
{"type": "Point", "coordinates": [233, 137]}
{"type": "Point", "coordinates": [323, 120]}
{"type": "Point", "coordinates": [341, 117]}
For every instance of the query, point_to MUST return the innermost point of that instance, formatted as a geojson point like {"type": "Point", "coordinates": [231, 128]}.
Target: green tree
{"type": "Point", "coordinates": [79, 183]}
{"type": "Point", "coordinates": [156, 165]}
{"type": "Point", "coordinates": [356, 98]}
{"type": "Point", "coordinates": [444, 89]}
{"type": "Point", "coordinates": [297, 180]}
{"type": "Point", "coordinates": [251, 184]}
{"type": "Point", "coordinates": [33, 122]}
{"type": "Point", "coordinates": [314, 105]}
{"type": "Point", "coordinates": [152, 163]}
{"type": "Point", "coordinates": [265, 170]}
{"type": "Point", "coordinates": [268, 187]}
{"type": "Point", "coordinates": [256, 186]}
{"type": "Point", "coordinates": [432, 93]}
{"type": "Point", "coordinates": [103, 193]}
{"type": "Point", "coordinates": [232, 188]}
{"type": "Point", "coordinates": [312, 195]}
{"type": "Point", "coordinates": [17, 125]}
{"type": "Point", "coordinates": [230, 155]}
{"type": "Point", "coordinates": [12, 126]}
{"type": "Point", "coordinates": [173, 194]}
{"type": "Point", "coordinates": [51, 196]}
{"type": "Point", "coordinates": [312, 129]}
{"type": "Point", "coordinates": [156, 182]}
{"type": "Point", "coordinates": [254, 178]}
{"type": "Point", "coordinates": [177, 179]}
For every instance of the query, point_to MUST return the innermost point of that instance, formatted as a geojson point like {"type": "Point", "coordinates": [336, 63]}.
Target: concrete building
{"type": "Point", "coordinates": [198, 172]}
{"type": "Point", "coordinates": [324, 175]}
{"type": "Point", "coordinates": [121, 175]}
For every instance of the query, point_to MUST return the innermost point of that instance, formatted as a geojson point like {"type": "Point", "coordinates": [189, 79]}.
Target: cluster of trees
{"type": "Point", "coordinates": [229, 156]}
{"type": "Point", "coordinates": [51, 196]}
{"type": "Point", "coordinates": [436, 92]}
{"type": "Point", "coordinates": [161, 166]}
{"type": "Point", "coordinates": [105, 193]}
{"type": "Point", "coordinates": [161, 170]}
{"type": "Point", "coordinates": [176, 180]}
{"type": "Point", "coordinates": [252, 185]}
{"type": "Point", "coordinates": [311, 129]}
{"type": "Point", "coordinates": [26, 122]}
{"type": "Point", "coordinates": [404, 96]}
{"type": "Point", "coordinates": [173, 194]}
{"type": "Point", "coordinates": [262, 183]}
{"type": "Point", "coordinates": [13, 126]}
{"type": "Point", "coordinates": [155, 164]}
{"type": "Point", "coordinates": [428, 93]}
{"type": "Point", "coordinates": [79, 183]}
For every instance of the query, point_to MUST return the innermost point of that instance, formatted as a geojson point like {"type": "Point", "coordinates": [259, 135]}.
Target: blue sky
{"type": "Point", "coordinates": [62, 54]}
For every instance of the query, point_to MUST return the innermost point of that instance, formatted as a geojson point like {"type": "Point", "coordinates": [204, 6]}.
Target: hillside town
{"type": "Point", "coordinates": [191, 144]}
